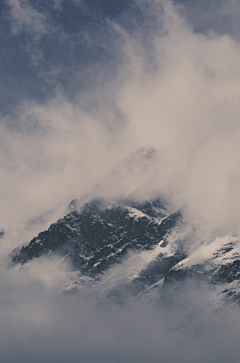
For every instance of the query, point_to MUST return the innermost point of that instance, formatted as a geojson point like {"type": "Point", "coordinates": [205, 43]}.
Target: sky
{"type": "Point", "coordinates": [85, 85]}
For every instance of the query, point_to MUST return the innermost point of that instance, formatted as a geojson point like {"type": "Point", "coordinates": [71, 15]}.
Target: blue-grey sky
{"type": "Point", "coordinates": [45, 45]}
{"type": "Point", "coordinates": [49, 45]}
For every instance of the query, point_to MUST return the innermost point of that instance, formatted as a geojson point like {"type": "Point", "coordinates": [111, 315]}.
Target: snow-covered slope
{"type": "Point", "coordinates": [122, 248]}
{"type": "Point", "coordinates": [101, 232]}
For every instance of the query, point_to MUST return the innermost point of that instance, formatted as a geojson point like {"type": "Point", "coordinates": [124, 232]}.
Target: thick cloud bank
{"type": "Point", "coordinates": [171, 89]}
{"type": "Point", "coordinates": [38, 323]}
{"type": "Point", "coordinates": [87, 94]}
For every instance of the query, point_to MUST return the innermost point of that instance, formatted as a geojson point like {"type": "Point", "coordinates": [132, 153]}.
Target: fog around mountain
{"type": "Point", "coordinates": [108, 98]}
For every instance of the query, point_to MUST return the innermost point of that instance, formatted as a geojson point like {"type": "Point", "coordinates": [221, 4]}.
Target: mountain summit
{"type": "Point", "coordinates": [144, 243]}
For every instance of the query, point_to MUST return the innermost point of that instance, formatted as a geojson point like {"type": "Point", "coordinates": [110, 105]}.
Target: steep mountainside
{"type": "Point", "coordinates": [101, 232]}
{"type": "Point", "coordinates": [137, 249]}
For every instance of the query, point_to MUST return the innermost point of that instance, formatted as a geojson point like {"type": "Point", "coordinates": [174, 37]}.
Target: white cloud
{"type": "Point", "coordinates": [25, 18]}
{"type": "Point", "coordinates": [188, 109]}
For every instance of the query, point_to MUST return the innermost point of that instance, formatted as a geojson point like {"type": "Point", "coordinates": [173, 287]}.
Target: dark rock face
{"type": "Point", "coordinates": [97, 236]}
{"type": "Point", "coordinates": [100, 233]}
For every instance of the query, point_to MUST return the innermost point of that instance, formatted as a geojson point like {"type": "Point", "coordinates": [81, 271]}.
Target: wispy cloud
{"type": "Point", "coordinates": [174, 90]}
{"type": "Point", "coordinates": [25, 18]}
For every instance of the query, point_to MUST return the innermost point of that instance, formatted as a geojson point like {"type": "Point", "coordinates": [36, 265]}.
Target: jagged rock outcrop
{"type": "Point", "coordinates": [144, 243]}
{"type": "Point", "coordinates": [100, 233]}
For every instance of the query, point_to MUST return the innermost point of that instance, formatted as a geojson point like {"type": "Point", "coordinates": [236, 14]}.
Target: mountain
{"type": "Point", "coordinates": [127, 248]}
{"type": "Point", "coordinates": [101, 232]}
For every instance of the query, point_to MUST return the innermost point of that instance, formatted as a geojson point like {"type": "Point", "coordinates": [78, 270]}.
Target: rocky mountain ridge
{"type": "Point", "coordinates": [124, 247]}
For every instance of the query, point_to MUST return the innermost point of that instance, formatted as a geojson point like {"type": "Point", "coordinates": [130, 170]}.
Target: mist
{"type": "Point", "coordinates": [143, 98]}
{"type": "Point", "coordinates": [38, 322]}
{"type": "Point", "coordinates": [173, 90]}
